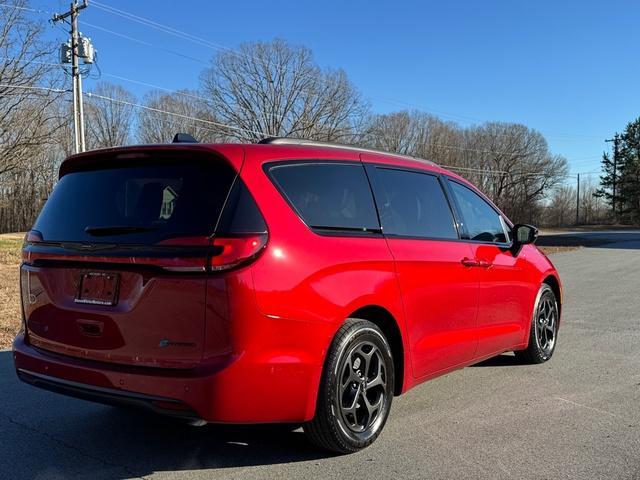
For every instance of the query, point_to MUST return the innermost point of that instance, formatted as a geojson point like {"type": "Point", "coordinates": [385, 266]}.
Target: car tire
{"type": "Point", "coordinates": [356, 389]}
{"type": "Point", "coordinates": [543, 332]}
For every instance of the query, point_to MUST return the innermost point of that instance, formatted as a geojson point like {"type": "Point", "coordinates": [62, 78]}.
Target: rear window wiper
{"type": "Point", "coordinates": [118, 230]}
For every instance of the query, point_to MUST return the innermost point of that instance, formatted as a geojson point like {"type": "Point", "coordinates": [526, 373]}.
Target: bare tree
{"type": "Point", "coordinates": [414, 133]}
{"type": "Point", "coordinates": [277, 89]}
{"type": "Point", "coordinates": [109, 116]}
{"type": "Point", "coordinates": [26, 117]}
{"type": "Point", "coordinates": [156, 126]}
{"type": "Point", "coordinates": [593, 208]}
{"type": "Point", "coordinates": [512, 164]}
{"type": "Point", "coordinates": [561, 207]}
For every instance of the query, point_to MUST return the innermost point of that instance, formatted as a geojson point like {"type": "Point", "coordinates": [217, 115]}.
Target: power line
{"type": "Point", "coordinates": [157, 110]}
{"type": "Point", "coordinates": [144, 42]}
{"type": "Point", "coordinates": [230, 127]}
{"type": "Point", "coordinates": [158, 87]}
{"type": "Point", "coordinates": [17, 7]}
{"type": "Point", "coordinates": [225, 126]}
{"type": "Point", "coordinates": [206, 43]}
{"type": "Point", "coordinates": [33, 87]}
{"type": "Point", "coordinates": [163, 28]}
{"type": "Point", "coordinates": [197, 97]}
{"type": "Point", "coordinates": [215, 46]}
{"type": "Point", "coordinates": [493, 172]}
{"type": "Point", "coordinates": [186, 117]}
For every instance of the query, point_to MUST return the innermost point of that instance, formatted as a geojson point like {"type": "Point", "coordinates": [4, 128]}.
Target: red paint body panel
{"type": "Point", "coordinates": [133, 328]}
{"type": "Point", "coordinates": [262, 330]}
{"type": "Point", "coordinates": [440, 297]}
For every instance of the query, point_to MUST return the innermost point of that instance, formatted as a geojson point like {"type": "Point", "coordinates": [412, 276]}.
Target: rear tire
{"type": "Point", "coordinates": [544, 328]}
{"type": "Point", "coordinates": [356, 389]}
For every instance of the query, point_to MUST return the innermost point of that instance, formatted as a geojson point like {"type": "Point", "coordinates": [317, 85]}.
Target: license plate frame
{"type": "Point", "coordinates": [98, 288]}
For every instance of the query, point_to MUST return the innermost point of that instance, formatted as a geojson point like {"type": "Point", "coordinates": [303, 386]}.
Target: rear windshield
{"type": "Point", "coordinates": [141, 203]}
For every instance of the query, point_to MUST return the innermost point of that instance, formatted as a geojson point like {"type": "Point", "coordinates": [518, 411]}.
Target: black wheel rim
{"type": "Point", "coordinates": [546, 324]}
{"type": "Point", "coordinates": [362, 388]}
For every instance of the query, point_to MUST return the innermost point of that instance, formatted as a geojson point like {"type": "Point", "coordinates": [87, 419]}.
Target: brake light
{"type": "Point", "coordinates": [33, 236]}
{"type": "Point", "coordinates": [230, 252]}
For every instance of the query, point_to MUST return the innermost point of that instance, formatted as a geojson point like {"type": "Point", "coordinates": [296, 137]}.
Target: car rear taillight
{"type": "Point", "coordinates": [33, 236]}
{"type": "Point", "coordinates": [225, 251]}
{"type": "Point", "coordinates": [230, 252]}
{"type": "Point", "coordinates": [27, 296]}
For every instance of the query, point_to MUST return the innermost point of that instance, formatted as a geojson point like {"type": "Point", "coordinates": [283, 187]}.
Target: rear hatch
{"type": "Point", "coordinates": [115, 265]}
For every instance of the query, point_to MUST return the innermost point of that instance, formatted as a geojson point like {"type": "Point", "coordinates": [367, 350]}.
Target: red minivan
{"type": "Point", "coordinates": [286, 281]}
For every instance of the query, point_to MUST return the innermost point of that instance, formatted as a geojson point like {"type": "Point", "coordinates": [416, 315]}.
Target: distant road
{"type": "Point", "coordinates": [603, 238]}
{"type": "Point", "coordinates": [577, 416]}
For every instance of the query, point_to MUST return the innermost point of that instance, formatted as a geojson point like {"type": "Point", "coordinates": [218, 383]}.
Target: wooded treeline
{"type": "Point", "coordinates": [261, 89]}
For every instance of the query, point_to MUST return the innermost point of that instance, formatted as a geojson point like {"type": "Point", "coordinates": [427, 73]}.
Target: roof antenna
{"type": "Point", "coordinates": [184, 138]}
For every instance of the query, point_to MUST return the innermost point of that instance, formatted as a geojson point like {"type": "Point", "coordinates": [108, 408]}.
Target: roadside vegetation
{"type": "Point", "coordinates": [9, 287]}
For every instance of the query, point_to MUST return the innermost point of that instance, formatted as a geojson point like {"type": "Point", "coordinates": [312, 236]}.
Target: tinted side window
{"type": "Point", "coordinates": [480, 219]}
{"type": "Point", "coordinates": [328, 196]}
{"type": "Point", "coordinates": [241, 214]}
{"type": "Point", "coordinates": [413, 204]}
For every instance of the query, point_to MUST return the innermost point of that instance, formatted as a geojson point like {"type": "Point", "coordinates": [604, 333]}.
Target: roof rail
{"type": "Point", "coordinates": [313, 143]}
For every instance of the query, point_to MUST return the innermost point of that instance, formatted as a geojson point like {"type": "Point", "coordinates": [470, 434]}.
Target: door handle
{"type": "Point", "coordinates": [484, 264]}
{"type": "Point", "coordinates": [469, 262]}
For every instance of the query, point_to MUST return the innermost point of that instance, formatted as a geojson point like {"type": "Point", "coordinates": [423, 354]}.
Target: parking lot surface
{"type": "Point", "coordinates": [577, 416]}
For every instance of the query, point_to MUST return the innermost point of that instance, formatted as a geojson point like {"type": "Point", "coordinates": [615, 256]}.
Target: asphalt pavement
{"type": "Point", "coordinates": [577, 416]}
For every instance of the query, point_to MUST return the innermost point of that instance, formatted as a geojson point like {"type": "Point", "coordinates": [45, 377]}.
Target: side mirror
{"type": "Point", "coordinates": [523, 235]}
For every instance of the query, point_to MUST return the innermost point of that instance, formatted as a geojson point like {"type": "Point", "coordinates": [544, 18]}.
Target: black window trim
{"type": "Point", "coordinates": [324, 231]}
{"type": "Point", "coordinates": [374, 185]}
{"type": "Point", "coordinates": [465, 236]}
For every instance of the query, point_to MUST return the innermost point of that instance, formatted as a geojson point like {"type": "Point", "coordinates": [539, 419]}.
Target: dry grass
{"type": "Point", "coordinates": [10, 315]}
{"type": "Point", "coordinates": [558, 249]}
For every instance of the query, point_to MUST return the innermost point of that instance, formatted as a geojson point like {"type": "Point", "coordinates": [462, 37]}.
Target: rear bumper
{"type": "Point", "coordinates": [239, 390]}
{"type": "Point", "coordinates": [108, 396]}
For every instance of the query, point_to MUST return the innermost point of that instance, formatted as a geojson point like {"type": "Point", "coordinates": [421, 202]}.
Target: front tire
{"type": "Point", "coordinates": [356, 389]}
{"type": "Point", "coordinates": [544, 328]}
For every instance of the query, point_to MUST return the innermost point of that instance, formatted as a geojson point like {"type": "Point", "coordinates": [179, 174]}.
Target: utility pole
{"type": "Point", "coordinates": [78, 110]}
{"type": "Point", "coordinates": [616, 146]}
{"type": "Point", "coordinates": [578, 201]}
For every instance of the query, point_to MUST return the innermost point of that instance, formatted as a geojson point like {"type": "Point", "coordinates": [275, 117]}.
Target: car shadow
{"type": "Point", "coordinates": [113, 442]}
{"type": "Point", "coordinates": [504, 360]}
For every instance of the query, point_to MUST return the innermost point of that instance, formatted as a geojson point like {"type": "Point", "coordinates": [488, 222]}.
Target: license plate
{"type": "Point", "coordinates": [98, 288]}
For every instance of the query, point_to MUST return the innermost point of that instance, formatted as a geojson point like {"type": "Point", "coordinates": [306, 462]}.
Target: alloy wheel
{"type": "Point", "coordinates": [546, 324]}
{"type": "Point", "coordinates": [363, 387]}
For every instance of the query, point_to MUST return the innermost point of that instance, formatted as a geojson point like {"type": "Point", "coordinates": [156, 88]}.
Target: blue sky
{"type": "Point", "coordinates": [567, 68]}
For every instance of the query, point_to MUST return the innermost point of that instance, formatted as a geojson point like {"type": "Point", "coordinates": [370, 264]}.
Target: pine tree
{"type": "Point", "coordinates": [608, 181]}
{"type": "Point", "coordinates": [630, 172]}
{"type": "Point", "coordinates": [620, 180]}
